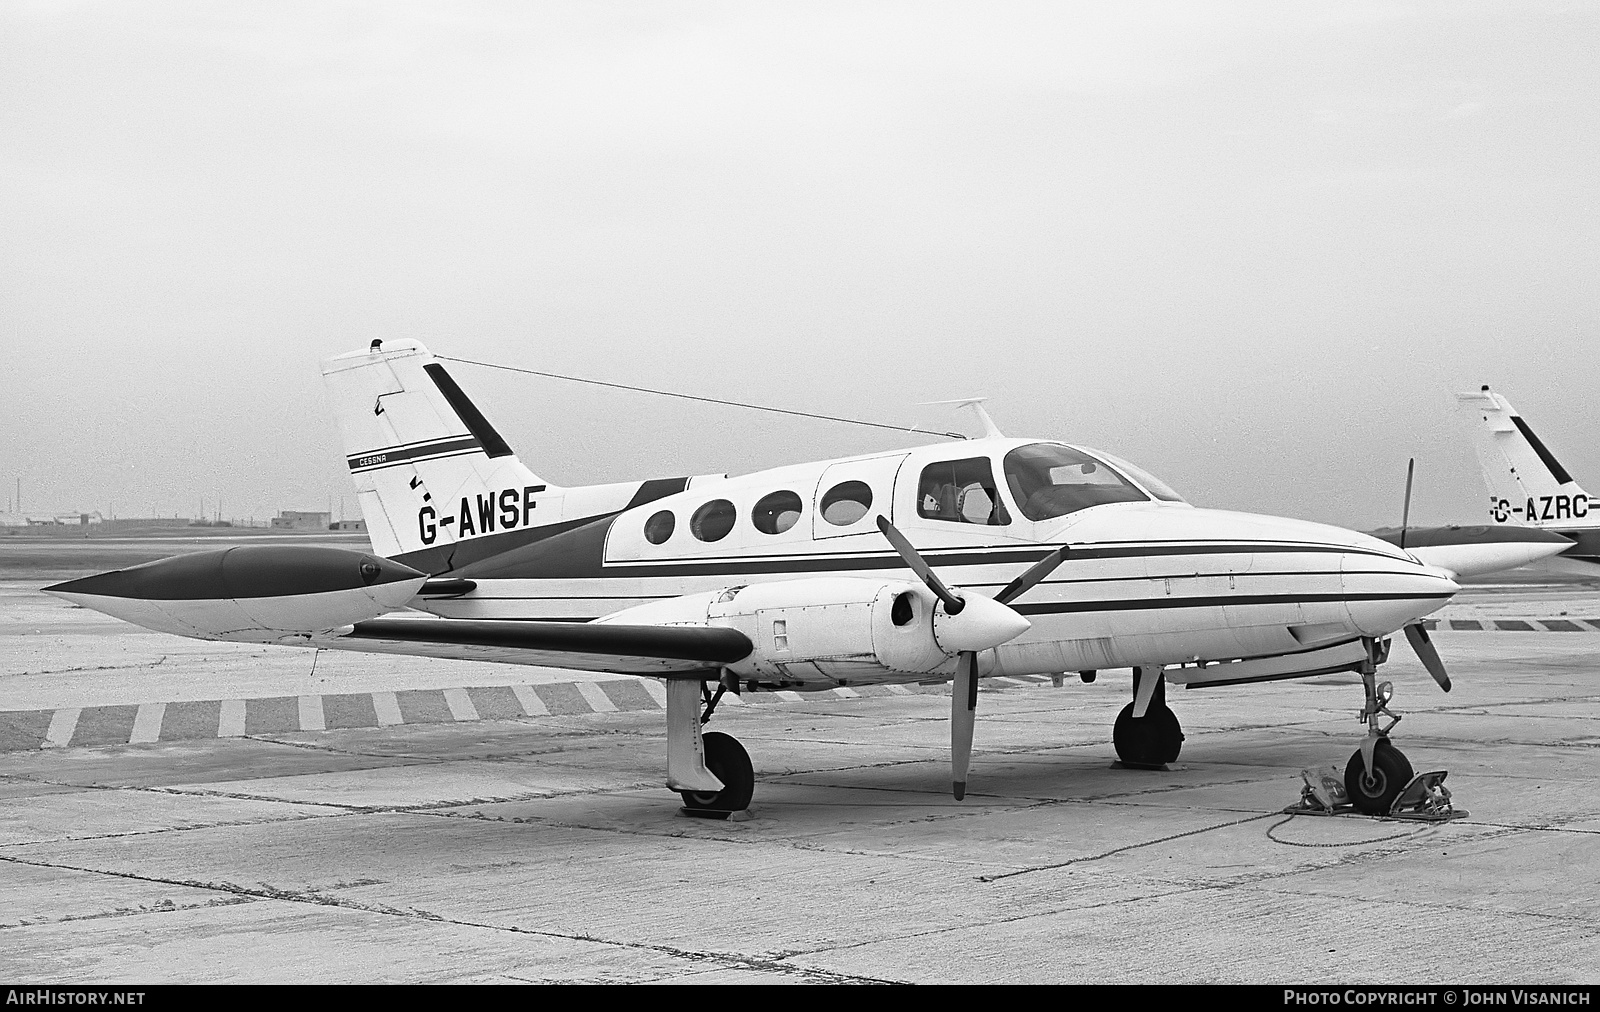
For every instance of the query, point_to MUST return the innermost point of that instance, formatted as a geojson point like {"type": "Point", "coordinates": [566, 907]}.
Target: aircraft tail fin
{"type": "Point", "coordinates": [428, 467]}
{"type": "Point", "coordinates": [1527, 484]}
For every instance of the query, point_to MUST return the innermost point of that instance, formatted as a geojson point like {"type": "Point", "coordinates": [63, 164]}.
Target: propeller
{"type": "Point", "coordinates": [984, 623]}
{"type": "Point", "coordinates": [1405, 512]}
{"type": "Point", "coordinates": [1417, 636]}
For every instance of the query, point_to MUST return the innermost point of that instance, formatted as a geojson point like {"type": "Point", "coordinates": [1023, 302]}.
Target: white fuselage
{"type": "Point", "coordinates": [1145, 583]}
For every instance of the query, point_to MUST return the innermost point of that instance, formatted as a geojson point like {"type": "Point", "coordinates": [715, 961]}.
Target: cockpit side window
{"type": "Point", "coordinates": [961, 491]}
{"type": "Point", "coordinates": [1050, 480]}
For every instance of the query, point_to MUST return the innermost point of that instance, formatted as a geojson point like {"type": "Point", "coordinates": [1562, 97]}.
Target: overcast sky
{"type": "Point", "coordinates": [1253, 247]}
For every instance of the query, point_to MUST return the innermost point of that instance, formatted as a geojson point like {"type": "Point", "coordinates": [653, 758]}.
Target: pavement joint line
{"type": "Point", "coordinates": [301, 817]}
{"type": "Point", "coordinates": [139, 911]}
{"type": "Point", "coordinates": [1175, 889]}
{"type": "Point", "coordinates": [322, 899]}
{"type": "Point", "coordinates": [1263, 885]}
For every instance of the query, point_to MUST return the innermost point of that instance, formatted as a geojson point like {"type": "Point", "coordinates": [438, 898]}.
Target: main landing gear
{"type": "Point", "coordinates": [711, 771]}
{"type": "Point", "coordinates": [1377, 772]}
{"type": "Point", "coordinates": [1147, 734]}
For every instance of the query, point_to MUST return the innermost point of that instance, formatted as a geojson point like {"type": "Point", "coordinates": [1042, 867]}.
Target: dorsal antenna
{"type": "Point", "coordinates": [990, 429]}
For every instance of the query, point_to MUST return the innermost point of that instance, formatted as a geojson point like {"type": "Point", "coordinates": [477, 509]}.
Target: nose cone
{"type": "Point", "coordinates": [1383, 594]}
{"type": "Point", "coordinates": [981, 624]}
{"type": "Point", "coordinates": [1327, 575]}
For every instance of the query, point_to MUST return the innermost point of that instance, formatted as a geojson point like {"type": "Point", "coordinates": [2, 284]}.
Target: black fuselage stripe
{"type": "Point", "coordinates": [974, 585]}
{"type": "Point", "coordinates": [1232, 601]}
{"type": "Point", "coordinates": [1142, 604]}
{"type": "Point", "coordinates": [889, 560]}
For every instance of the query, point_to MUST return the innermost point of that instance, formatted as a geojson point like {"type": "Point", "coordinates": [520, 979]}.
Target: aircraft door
{"type": "Point", "coordinates": [851, 494]}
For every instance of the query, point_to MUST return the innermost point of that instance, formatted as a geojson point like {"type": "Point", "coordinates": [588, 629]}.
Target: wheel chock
{"type": "Point", "coordinates": [1322, 793]}
{"type": "Point", "coordinates": [1425, 798]}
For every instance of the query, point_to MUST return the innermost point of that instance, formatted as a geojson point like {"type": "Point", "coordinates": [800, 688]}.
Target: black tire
{"type": "Point", "coordinates": [729, 762]}
{"type": "Point", "coordinates": [1152, 740]}
{"type": "Point", "coordinates": [1391, 771]}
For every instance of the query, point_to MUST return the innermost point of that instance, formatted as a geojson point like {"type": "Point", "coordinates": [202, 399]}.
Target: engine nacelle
{"type": "Point", "coordinates": [838, 628]}
{"type": "Point", "coordinates": [253, 594]}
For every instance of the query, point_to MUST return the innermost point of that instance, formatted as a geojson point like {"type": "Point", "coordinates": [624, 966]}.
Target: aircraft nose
{"type": "Point", "coordinates": [1384, 593]}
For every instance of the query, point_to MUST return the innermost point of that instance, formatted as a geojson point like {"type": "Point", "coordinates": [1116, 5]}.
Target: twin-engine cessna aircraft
{"type": "Point", "coordinates": [992, 556]}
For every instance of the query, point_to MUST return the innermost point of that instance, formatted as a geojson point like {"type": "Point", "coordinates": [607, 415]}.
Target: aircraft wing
{"type": "Point", "coordinates": [661, 651]}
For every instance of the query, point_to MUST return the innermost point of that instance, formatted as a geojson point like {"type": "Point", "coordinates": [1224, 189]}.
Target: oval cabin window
{"type": "Point", "coordinates": [659, 527]}
{"type": "Point", "coordinates": [713, 521]}
{"type": "Point", "coordinates": [846, 503]}
{"type": "Point", "coordinates": [776, 513]}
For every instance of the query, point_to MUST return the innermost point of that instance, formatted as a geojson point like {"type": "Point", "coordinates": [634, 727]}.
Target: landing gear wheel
{"type": "Point", "coordinates": [1391, 772]}
{"type": "Point", "coordinates": [1152, 740]}
{"type": "Point", "coordinates": [730, 763]}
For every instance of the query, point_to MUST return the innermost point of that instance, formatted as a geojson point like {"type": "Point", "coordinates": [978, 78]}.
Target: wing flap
{"type": "Point", "coordinates": [621, 649]}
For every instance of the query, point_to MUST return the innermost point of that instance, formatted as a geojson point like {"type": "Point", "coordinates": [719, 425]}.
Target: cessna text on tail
{"type": "Point", "coordinates": [1527, 484]}
{"type": "Point", "coordinates": [947, 562]}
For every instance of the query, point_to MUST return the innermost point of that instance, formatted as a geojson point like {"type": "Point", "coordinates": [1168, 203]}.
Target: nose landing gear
{"type": "Point", "coordinates": [1379, 779]}
{"type": "Point", "coordinates": [1377, 772]}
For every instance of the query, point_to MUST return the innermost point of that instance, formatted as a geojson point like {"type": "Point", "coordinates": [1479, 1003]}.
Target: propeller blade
{"type": "Point", "coordinates": [1426, 653]}
{"type": "Point", "coordinates": [1038, 571]}
{"type": "Point", "coordinates": [1405, 513]}
{"type": "Point", "coordinates": [963, 710]}
{"type": "Point", "coordinates": [953, 602]}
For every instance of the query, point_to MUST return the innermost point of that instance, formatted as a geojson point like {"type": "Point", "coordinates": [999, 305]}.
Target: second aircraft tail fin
{"type": "Point", "coordinates": [1526, 482]}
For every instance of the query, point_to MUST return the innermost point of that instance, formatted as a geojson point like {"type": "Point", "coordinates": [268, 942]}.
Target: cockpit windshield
{"type": "Point", "coordinates": [1155, 486]}
{"type": "Point", "coordinates": [1051, 480]}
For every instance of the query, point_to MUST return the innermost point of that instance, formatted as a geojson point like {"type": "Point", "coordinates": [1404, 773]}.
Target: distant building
{"type": "Point", "coordinates": [49, 520]}
{"type": "Point", "coordinates": [297, 520]}
{"type": "Point", "coordinates": [142, 522]}
{"type": "Point", "coordinates": [350, 525]}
